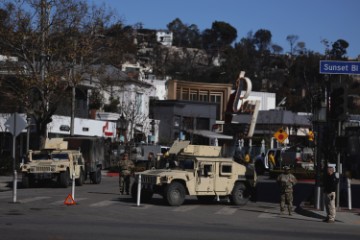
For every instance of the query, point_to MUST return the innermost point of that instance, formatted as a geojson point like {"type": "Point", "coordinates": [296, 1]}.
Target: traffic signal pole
{"type": "Point", "coordinates": [338, 170]}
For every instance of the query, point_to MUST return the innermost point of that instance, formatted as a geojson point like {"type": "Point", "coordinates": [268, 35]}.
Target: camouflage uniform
{"type": "Point", "coordinates": [126, 169]}
{"type": "Point", "coordinates": [286, 181]}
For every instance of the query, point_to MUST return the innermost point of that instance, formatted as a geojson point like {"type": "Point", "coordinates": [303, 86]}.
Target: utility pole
{"type": "Point", "coordinates": [73, 93]}
{"type": "Point", "coordinates": [43, 27]}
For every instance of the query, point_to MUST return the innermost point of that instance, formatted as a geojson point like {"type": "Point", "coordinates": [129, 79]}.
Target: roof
{"type": "Point", "coordinates": [278, 117]}
{"type": "Point", "coordinates": [210, 134]}
{"type": "Point", "coordinates": [111, 74]}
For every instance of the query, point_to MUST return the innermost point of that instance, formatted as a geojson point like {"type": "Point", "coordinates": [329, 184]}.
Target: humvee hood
{"type": "Point", "coordinates": [160, 172]}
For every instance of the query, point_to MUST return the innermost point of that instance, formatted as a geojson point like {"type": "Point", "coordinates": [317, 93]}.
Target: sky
{"type": "Point", "coordinates": [311, 20]}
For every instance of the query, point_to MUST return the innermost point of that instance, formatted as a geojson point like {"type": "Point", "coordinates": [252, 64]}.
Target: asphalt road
{"type": "Point", "coordinates": [101, 213]}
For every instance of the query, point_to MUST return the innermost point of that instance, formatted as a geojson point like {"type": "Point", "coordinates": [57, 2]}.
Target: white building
{"type": "Point", "coordinates": [164, 37]}
{"type": "Point", "coordinates": [60, 126]}
{"type": "Point", "coordinates": [133, 96]}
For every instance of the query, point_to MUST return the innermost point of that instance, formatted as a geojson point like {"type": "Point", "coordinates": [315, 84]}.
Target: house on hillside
{"type": "Point", "coordinates": [128, 97]}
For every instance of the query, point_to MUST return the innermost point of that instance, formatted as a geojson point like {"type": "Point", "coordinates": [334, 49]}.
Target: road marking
{"type": "Point", "coordinates": [62, 201]}
{"type": "Point", "coordinates": [226, 211]}
{"type": "Point", "coordinates": [103, 203]}
{"type": "Point", "coordinates": [267, 215]}
{"type": "Point", "coordinates": [27, 200]}
{"type": "Point", "coordinates": [142, 206]}
{"type": "Point", "coordinates": [185, 208]}
{"type": "Point", "coordinates": [3, 197]}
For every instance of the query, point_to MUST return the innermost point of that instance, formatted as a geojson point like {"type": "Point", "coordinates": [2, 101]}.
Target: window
{"type": "Point", "coordinates": [187, 164]}
{"type": "Point", "coordinates": [217, 97]}
{"type": "Point", "coordinates": [60, 156]}
{"type": "Point", "coordinates": [204, 96]}
{"type": "Point", "coordinates": [193, 95]}
{"type": "Point", "coordinates": [207, 169]}
{"type": "Point", "coordinates": [202, 123]}
{"type": "Point", "coordinates": [40, 156]}
{"type": "Point", "coordinates": [226, 169]}
{"type": "Point", "coordinates": [185, 94]}
{"type": "Point", "coordinates": [138, 102]}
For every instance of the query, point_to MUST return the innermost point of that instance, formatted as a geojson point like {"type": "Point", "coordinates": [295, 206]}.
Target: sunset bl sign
{"type": "Point", "coordinates": [339, 67]}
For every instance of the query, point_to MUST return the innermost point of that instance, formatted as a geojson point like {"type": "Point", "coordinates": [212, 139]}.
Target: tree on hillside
{"type": "Point", "coordinates": [338, 50]}
{"type": "Point", "coordinates": [277, 49]}
{"type": "Point", "coordinates": [184, 35]}
{"type": "Point", "coordinates": [54, 42]}
{"type": "Point", "coordinates": [118, 44]}
{"type": "Point", "coordinates": [292, 39]}
{"type": "Point", "coordinates": [262, 39]}
{"type": "Point", "coordinates": [216, 39]}
{"type": "Point", "coordinates": [300, 48]}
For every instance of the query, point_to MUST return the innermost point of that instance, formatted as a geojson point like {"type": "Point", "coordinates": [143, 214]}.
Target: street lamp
{"type": "Point", "coordinates": [28, 121]}
{"type": "Point", "coordinates": [122, 125]}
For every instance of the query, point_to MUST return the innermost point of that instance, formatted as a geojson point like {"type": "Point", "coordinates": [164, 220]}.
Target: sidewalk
{"type": "Point", "coordinates": [343, 214]}
{"type": "Point", "coordinates": [6, 182]}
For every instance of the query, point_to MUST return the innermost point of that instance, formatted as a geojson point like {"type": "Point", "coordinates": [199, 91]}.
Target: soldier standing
{"type": "Point", "coordinates": [126, 169]}
{"type": "Point", "coordinates": [286, 181]}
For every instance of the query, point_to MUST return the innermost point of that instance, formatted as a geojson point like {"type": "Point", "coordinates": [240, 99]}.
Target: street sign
{"type": "Point", "coordinates": [15, 124]}
{"type": "Point", "coordinates": [280, 135]}
{"type": "Point", "coordinates": [339, 67]}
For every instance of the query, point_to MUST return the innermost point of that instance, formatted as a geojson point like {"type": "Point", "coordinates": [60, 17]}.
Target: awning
{"type": "Point", "coordinates": [210, 134]}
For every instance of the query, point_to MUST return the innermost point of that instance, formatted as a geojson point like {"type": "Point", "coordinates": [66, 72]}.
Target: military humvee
{"type": "Point", "coordinates": [196, 170]}
{"type": "Point", "coordinates": [54, 161]}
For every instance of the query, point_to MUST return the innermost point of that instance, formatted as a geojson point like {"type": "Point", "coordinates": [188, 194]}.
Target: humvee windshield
{"type": "Point", "coordinates": [47, 156]}
{"type": "Point", "coordinates": [40, 156]}
{"type": "Point", "coordinates": [59, 156]}
{"type": "Point", "coordinates": [179, 163]}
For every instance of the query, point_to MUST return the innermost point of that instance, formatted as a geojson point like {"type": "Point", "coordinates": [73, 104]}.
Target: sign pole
{"type": "Point", "coordinates": [14, 162]}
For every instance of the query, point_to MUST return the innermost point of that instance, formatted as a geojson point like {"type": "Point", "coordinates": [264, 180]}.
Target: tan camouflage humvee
{"type": "Point", "coordinates": [53, 162]}
{"type": "Point", "coordinates": [196, 170]}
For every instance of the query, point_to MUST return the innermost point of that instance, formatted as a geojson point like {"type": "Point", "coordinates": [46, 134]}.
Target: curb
{"type": "Point", "coordinates": [109, 174]}
{"type": "Point", "coordinates": [112, 174]}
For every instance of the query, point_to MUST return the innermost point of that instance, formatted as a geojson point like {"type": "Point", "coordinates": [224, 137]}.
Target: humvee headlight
{"type": "Point", "coordinates": [163, 179]}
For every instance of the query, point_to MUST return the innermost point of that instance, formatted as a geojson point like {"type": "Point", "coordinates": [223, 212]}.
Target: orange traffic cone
{"type": "Point", "coordinates": [69, 200]}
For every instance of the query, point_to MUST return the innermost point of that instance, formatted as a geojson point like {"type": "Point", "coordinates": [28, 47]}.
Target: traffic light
{"type": "Point", "coordinates": [311, 136]}
{"type": "Point", "coordinates": [338, 104]}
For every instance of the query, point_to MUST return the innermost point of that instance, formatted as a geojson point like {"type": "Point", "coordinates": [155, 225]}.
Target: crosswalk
{"type": "Point", "coordinates": [217, 209]}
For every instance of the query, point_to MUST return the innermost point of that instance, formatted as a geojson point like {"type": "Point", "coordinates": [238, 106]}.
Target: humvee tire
{"type": "Point", "coordinates": [64, 178]}
{"type": "Point", "coordinates": [237, 196]}
{"type": "Point", "coordinates": [95, 177]}
{"type": "Point", "coordinates": [81, 179]}
{"type": "Point", "coordinates": [175, 194]}
{"type": "Point", "coordinates": [27, 180]}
